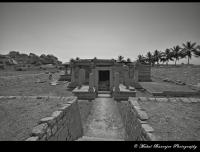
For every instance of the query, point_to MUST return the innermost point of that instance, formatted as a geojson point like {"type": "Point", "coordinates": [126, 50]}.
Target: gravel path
{"type": "Point", "coordinates": [105, 120]}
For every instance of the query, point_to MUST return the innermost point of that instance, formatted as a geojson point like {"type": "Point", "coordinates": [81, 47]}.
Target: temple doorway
{"type": "Point", "coordinates": [104, 80]}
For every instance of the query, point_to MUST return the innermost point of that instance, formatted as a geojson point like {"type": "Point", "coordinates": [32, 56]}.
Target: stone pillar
{"type": "Point", "coordinates": [131, 71]}
{"type": "Point", "coordinates": [96, 80]}
{"type": "Point", "coordinates": [93, 71]}
{"type": "Point", "coordinates": [116, 81]}
{"type": "Point", "coordinates": [80, 83]}
{"type": "Point", "coordinates": [91, 83]}
{"type": "Point", "coordinates": [114, 71]}
{"type": "Point", "coordinates": [73, 75]}
{"type": "Point", "coordinates": [83, 76]}
{"type": "Point", "coordinates": [136, 74]}
{"type": "Point", "coordinates": [126, 77]}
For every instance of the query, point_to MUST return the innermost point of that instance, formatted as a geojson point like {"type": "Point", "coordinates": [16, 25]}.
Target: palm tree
{"type": "Point", "coordinates": [149, 57]}
{"type": "Point", "coordinates": [197, 52]}
{"type": "Point", "coordinates": [128, 60]}
{"type": "Point", "coordinates": [167, 55]}
{"type": "Point", "coordinates": [189, 49]}
{"type": "Point", "coordinates": [71, 60]}
{"type": "Point", "coordinates": [140, 58]}
{"type": "Point", "coordinates": [120, 58]}
{"type": "Point", "coordinates": [77, 58]}
{"type": "Point", "coordinates": [157, 55]}
{"type": "Point", "coordinates": [176, 53]}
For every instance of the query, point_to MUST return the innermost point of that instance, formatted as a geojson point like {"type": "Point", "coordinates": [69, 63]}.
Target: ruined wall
{"type": "Point", "coordinates": [64, 125]}
{"type": "Point", "coordinates": [136, 128]}
{"type": "Point", "coordinates": [144, 73]}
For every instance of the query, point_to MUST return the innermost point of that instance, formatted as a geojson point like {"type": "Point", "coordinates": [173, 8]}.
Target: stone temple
{"type": "Point", "coordinates": [90, 77]}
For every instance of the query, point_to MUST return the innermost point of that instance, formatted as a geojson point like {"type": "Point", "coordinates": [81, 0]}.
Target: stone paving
{"type": "Point", "coordinates": [105, 120]}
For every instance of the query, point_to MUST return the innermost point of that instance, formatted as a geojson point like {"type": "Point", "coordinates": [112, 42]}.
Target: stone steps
{"type": "Point", "coordinates": [103, 92]}
{"type": "Point", "coordinates": [104, 96]}
{"type": "Point", "coordinates": [87, 138]}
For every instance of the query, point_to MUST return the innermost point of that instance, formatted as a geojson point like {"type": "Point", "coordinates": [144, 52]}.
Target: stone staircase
{"type": "Point", "coordinates": [87, 138]}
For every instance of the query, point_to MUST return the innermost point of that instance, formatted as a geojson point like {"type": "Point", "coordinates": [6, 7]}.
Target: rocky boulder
{"type": "Point", "coordinates": [33, 59]}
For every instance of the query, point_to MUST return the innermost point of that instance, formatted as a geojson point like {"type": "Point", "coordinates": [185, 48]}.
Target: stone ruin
{"type": "Point", "coordinates": [91, 76]}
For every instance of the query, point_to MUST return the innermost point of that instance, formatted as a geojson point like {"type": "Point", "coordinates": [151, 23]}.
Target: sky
{"type": "Point", "coordinates": [102, 30]}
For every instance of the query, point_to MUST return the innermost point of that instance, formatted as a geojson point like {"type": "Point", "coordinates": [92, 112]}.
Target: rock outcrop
{"type": "Point", "coordinates": [15, 58]}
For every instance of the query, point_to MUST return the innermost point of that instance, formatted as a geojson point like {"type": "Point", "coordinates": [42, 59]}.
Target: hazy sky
{"type": "Point", "coordinates": [102, 30]}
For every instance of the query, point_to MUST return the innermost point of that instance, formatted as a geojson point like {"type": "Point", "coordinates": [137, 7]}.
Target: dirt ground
{"type": "Point", "coordinates": [174, 121]}
{"type": "Point", "coordinates": [158, 85]}
{"type": "Point", "coordinates": [18, 117]}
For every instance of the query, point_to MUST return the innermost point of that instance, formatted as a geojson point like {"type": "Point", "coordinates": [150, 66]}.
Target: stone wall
{"type": "Point", "coordinates": [136, 128]}
{"type": "Point", "coordinates": [144, 73]}
{"type": "Point", "coordinates": [64, 125]}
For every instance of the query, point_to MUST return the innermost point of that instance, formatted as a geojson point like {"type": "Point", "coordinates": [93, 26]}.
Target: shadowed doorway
{"type": "Point", "coordinates": [104, 80]}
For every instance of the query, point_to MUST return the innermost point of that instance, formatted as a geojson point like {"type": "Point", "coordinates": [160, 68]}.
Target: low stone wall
{"type": "Point", "coordinates": [136, 128]}
{"type": "Point", "coordinates": [19, 79]}
{"type": "Point", "coordinates": [64, 125]}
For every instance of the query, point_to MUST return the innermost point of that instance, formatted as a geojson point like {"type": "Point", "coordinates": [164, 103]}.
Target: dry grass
{"type": "Point", "coordinates": [174, 121]}
{"type": "Point", "coordinates": [158, 85]}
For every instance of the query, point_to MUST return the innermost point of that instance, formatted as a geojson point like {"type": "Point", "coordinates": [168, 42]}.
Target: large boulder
{"type": "Point", "coordinates": [33, 59]}
{"type": "Point", "coordinates": [13, 54]}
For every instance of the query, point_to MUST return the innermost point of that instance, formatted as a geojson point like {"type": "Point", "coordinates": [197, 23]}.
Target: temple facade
{"type": "Point", "coordinates": [103, 73]}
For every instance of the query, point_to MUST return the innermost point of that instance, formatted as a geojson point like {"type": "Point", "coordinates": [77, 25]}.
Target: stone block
{"type": "Point", "coordinates": [36, 138]}
{"type": "Point", "coordinates": [143, 98]}
{"type": "Point", "coordinates": [64, 109]}
{"type": "Point", "coordinates": [162, 99]}
{"type": "Point", "coordinates": [49, 120]}
{"type": "Point", "coordinates": [193, 99]}
{"type": "Point", "coordinates": [133, 101]}
{"type": "Point", "coordinates": [142, 115]}
{"type": "Point", "coordinates": [44, 138]}
{"type": "Point", "coordinates": [147, 128]}
{"type": "Point", "coordinates": [60, 123]}
{"type": "Point", "coordinates": [185, 100]}
{"type": "Point", "coordinates": [152, 99]}
{"type": "Point", "coordinates": [49, 133]}
{"type": "Point", "coordinates": [198, 100]}
{"type": "Point", "coordinates": [57, 115]}
{"type": "Point", "coordinates": [54, 129]}
{"type": "Point", "coordinates": [52, 138]}
{"type": "Point", "coordinates": [172, 100]}
{"type": "Point", "coordinates": [39, 130]}
{"type": "Point", "coordinates": [178, 100]}
{"type": "Point", "coordinates": [151, 137]}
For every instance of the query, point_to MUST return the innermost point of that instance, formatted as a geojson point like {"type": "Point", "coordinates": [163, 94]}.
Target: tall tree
{"type": "Point", "coordinates": [189, 49]}
{"type": "Point", "coordinates": [140, 58]}
{"type": "Point", "coordinates": [128, 60]}
{"type": "Point", "coordinates": [77, 58]}
{"type": "Point", "coordinates": [157, 56]}
{"type": "Point", "coordinates": [120, 58]}
{"type": "Point", "coordinates": [167, 55]}
{"type": "Point", "coordinates": [197, 52]}
{"type": "Point", "coordinates": [176, 50]}
{"type": "Point", "coordinates": [149, 58]}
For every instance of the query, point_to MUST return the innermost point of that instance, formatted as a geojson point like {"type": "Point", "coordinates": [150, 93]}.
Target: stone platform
{"type": "Point", "coordinates": [83, 93]}
{"type": "Point", "coordinates": [123, 93]}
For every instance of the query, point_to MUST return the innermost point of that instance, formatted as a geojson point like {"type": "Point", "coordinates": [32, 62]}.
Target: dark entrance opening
{"type": "Point", "coordinates": [104, 80]}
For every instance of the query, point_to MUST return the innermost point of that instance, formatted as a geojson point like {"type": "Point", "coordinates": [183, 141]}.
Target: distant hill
{"type": "Point", "coordinates": [15, 58]}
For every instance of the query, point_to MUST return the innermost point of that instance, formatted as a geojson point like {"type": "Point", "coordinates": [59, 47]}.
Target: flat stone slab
{"type": "Point", "coordinates": [193, 100]}
{"type": "Point", "coordinates": [162, 99]}
{"type": "Point", "coordinates": [185, 100]}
